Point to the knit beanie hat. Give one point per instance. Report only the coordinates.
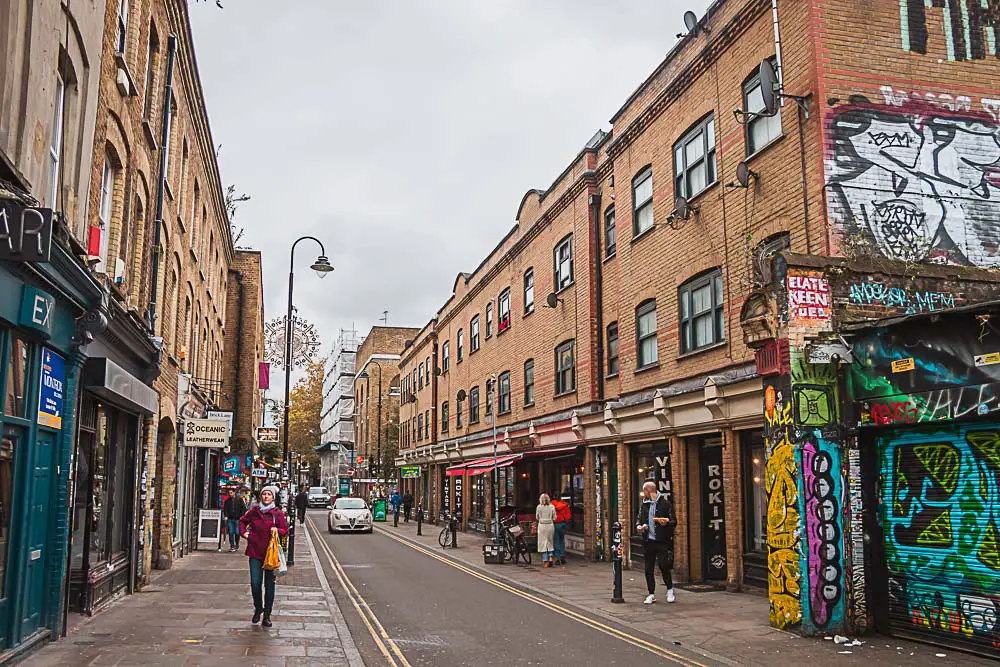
(274, 491)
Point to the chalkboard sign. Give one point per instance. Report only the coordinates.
(209, 525)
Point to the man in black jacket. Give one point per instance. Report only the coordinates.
(302, 503)
(656, 522)
(233, 509)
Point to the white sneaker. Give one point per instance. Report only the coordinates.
(650, 599)
(670, 595)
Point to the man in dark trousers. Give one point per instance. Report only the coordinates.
(407, 506)
(302, 503)
(233, 509)
(656, 522)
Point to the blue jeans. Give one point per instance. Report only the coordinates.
(260, 577)
(233, 530)
(560, 541)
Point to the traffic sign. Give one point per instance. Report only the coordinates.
(351, 471)
(360, 460)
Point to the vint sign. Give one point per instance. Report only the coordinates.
(206, 433)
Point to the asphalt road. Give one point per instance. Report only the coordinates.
(406, 606)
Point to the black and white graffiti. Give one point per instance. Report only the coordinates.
(917, 181)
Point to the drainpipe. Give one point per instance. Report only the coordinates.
(595, 207)
(164, 152)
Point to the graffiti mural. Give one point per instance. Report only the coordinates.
(916, 182)
(814, 388)
(857, 542)
(967, 28)
(899, 299)
(940, 497)
(781, 488)
(931, 406)
(822, 552)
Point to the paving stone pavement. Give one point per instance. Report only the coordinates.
(198, 613)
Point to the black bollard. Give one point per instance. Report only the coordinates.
(616, 560)
(420, 519)
(454, 533)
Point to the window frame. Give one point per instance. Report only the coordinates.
(444, 357)
(565, 243)
(561, 385)
(529, 290)
(489, 320)
(474, 405)
(503, 397)
(644, 309)
(638, 208)
(612, 358)
(503, 311)
(752, 118)
(105, 210)
(444, 416)
(489, 398)
(459, 345)
(427, 371)
(420, 375)
(121, 29)
(610, 233)
(709, 158)
(458, 411)
(529, 383)
(712, 278)
(152, 60)
(474, 334)
(56, 142)
(420, 427)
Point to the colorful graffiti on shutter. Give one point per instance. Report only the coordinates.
(941, 522)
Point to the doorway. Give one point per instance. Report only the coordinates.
(713, 512)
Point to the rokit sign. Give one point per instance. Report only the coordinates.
(206, 433)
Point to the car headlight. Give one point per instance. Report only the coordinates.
(336, 515)
(366, 516)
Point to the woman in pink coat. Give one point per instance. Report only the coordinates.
(257, 525)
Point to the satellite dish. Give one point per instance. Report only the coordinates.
(691, 22)
(743, 174)
(768, 85)
(551, 300)
(461, 395)
(681, 208)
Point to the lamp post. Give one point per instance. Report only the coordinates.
(496, 475)
(322, 267)
(363, 375)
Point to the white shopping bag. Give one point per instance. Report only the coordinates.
(283, 568)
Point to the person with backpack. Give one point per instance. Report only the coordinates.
(563, 515)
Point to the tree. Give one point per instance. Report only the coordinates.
(305, 408)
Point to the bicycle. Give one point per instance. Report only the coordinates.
(516, 546)
(445, 538)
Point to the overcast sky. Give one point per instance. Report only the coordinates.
(403, 134)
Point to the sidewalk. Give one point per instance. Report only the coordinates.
(727, 628)
(198, 613)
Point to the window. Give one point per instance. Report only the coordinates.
(645, 333)
(121, 35)
(529, 291)
(458, 410)
(420, 428)
(427, 371)
(489, 320)
(760, 130)
(564, 263)
(104, 213)
(755, 498)
(503, 393)
(427, 424)
(701, 311)
(565, 368)
(612, 349)
(694, 159)
(55, 143)
(151, 63)
(489, 397)
(444, 357)
(642, 202)
(610, 233)
(459, 343)
(529, 382)
(503, 311)
(182, 182)
(444, 417)
(474, 334)
(420, 375)
(474, 406)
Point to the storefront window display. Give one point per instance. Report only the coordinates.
(571, 489)
(756, 500)
(651, 461)
(505, 484)
(478, 497)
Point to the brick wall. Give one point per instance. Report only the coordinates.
(243, 352)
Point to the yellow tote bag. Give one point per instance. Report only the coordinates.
(272, 561)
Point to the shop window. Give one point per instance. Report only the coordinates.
(565, 368)
(505, 484)
(642, 202)
(444, 357)
(16, 382)
(503, 393)
(10, 441)
(459, 343)
(756, 499)
(503, 311)
(645, 328)
(474, 334)
(571, 489)
(478, 497)
(564, 263)
(651, 463)
(474, 406)
(610, 232)
(529, 291)
(701, 311)
(612, 349)
(490, 389)
(489, 320)
(760, 129)
(694, 159)
(444, 417)
(529, 382)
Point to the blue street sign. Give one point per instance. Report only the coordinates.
(50, 390)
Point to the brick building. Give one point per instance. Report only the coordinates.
(652, 313)
(376, 400)
(244, 351)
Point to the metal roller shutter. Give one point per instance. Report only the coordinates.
(940, 514)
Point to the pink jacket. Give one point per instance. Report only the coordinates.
(259, 524)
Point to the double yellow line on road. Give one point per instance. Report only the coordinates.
(659, 651)
(390, 650)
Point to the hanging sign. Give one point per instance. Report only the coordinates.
(25, 232)
(224, 415)
(36, 310)
(50, 390)
(205, 433)
(267, 434)
(409, 472)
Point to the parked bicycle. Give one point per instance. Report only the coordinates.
(516, 546)
(447, 537)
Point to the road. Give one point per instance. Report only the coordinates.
(411, 606)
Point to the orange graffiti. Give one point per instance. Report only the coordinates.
(770, 400)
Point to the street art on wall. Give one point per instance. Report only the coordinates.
(859, 610)
(781, 488)
(931, 406)
(964, 29)
(814, 387)
(940, 498)
(899, 300)
(808, 297)
(916, 182)
(822, 553)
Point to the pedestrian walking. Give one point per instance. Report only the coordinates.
(407, 505)
(233, 509)
(545, 514)
(257, 526)
(563, 515)
(656, 522)
(395, 500)
(302, 503)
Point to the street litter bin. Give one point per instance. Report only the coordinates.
(493, 553)
(378, 510)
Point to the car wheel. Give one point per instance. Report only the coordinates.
(369, 531)
(329, 528)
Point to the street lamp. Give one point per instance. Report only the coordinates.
(322, 267)
(363, 375)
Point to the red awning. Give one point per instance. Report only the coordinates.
(486, 465)
(550, 452)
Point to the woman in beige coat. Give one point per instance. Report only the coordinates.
(545, 513)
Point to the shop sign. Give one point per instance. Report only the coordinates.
(267, 434)
(36, 310)
(205, 433)
(258, 472)
(224, 415)
(231, 465)
(25, 232)
(50, 390)
(409, 472)
(344, 486)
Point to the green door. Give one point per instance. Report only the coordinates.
(38, 531)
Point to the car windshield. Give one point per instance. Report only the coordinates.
(317, 491)
(349, 504)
